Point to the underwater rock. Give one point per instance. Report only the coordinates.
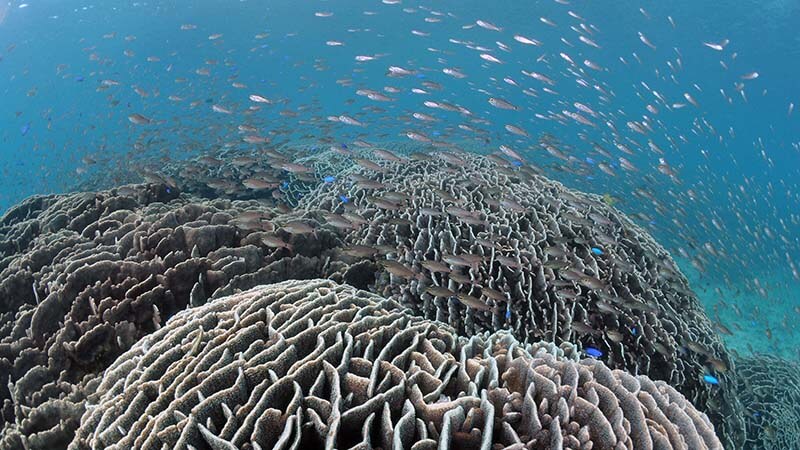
(312, 364)
(483, 245)
(84, 276)
(769, 388)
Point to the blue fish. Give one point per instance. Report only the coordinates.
(329, 179)
(516, 163)
(593, 352)
(508, 313)
(25, 128)
(344, 198)
(711, 379)
(285, 184)
(590, 160)
(633, 330)
(597, 251)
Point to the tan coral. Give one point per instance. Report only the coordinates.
(459, 238)
(84, 276)
(481, 245)
(313, 364)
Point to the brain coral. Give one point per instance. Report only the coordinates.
(481, 245)
(769, 388)
(84, 276)
(312, 364)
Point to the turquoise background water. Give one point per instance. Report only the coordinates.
(737, 162)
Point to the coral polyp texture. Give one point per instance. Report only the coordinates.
(313, 364)
(466, 240)
(268, 173)
(482, 245)
(84, 276)
(769, 387)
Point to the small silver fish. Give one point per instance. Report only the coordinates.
(502, 104)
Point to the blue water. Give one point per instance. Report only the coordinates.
(732, 221)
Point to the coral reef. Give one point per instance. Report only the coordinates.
(84, 276)
(467, 240)
(230, 173)
(268, 173)
(307, 364)
(769, 388)
(482, 245)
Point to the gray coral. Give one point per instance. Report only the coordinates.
(769, 388)
(462, 239)
(230, 173)
(312, 364)
(481, 245)
(84, 276)
(243, 175)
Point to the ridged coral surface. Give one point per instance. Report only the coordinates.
(84, 276)
(769, 387)
(466, 240)
(313, 364)
(481, 245)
